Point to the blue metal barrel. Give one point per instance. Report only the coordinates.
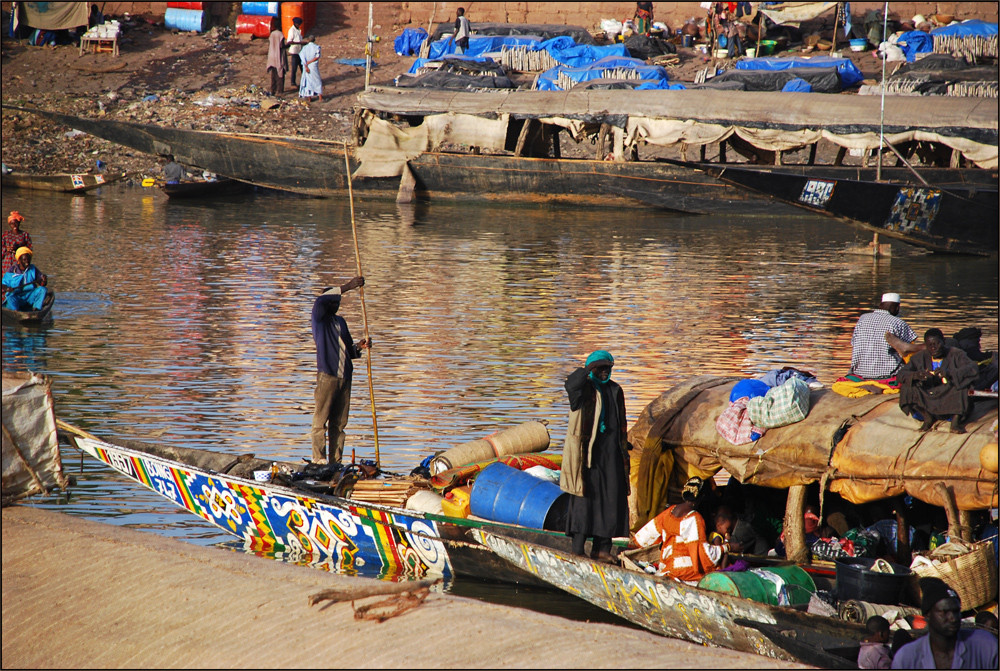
(262, 8)
(185, 19)
(504, 494)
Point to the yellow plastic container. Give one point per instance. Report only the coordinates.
(456, 502)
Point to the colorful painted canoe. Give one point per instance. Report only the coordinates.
(681, 611)
(65, 182)
(349, 535)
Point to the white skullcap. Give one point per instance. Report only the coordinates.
(918, 19)
(890, 298)
(335, 291)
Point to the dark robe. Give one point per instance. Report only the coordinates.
(930, 398)
(603, 509)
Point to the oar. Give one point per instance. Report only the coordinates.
(364, 312)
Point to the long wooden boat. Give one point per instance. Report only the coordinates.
(31, 317)
(958, 218)
(297, 517)
(65, 182)
(204, 188)
(689, 613)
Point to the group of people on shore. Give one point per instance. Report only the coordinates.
(290, 53)
(24, 286)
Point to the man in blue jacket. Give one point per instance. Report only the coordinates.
(334, 351)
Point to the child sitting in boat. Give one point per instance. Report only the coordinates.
(685, 552)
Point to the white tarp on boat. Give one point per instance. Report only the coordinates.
(31, 461)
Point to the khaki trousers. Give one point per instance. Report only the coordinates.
(333, 403)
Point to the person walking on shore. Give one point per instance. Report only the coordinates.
(277, 63)
(334, 351)
(311, 85)
(13, 239)
(595, 461)
(294, 43)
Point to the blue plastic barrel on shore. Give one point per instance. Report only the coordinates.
(188, 20)
(262, 8)
(504, 494)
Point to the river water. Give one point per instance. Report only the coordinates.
(188, 323)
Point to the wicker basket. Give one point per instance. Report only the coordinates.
(973, 575)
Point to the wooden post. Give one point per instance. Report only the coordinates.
(836, 24)
(812, 153)
(722, 151)
(684, 151)
(965, 525)
(522, 138)
(556, 151)
(904, 555)
(703, 152)
(841, 153)
(951, 509)
(794, 528)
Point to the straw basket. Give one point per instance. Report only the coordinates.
(973, 575)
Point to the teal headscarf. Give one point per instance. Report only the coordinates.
(600, 355)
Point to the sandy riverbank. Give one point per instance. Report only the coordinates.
(81, 594)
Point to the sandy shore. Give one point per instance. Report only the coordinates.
(81, 594)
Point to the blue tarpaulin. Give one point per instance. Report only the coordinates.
(970, 28)
(849, 73)
(409, 41)
(915, 42)
(797, 85)
(563, 49)
(655, 76)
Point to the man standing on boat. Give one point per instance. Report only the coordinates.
(595, 461)
(871, 356)
(334, 350)
(13, 239)
(946, 645)
(24, 284)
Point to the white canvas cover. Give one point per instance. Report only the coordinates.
(31, 461)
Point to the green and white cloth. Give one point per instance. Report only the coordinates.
(782, 405)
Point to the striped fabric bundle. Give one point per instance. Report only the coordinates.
(782, 405)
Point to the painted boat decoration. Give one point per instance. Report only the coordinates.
(958, 218)
(65, 182)
(273, 518)
(678, 610)
(31, 317)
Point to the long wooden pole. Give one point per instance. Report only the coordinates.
(368, 50)
(364, 312)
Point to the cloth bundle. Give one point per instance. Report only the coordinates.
(735, 425)
(782, 405)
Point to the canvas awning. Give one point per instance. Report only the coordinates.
(864, 449)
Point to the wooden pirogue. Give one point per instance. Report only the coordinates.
(65, 182)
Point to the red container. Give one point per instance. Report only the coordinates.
(305, 10)
(258, 26)
(186, 5)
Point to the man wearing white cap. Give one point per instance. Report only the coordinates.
(872, 358)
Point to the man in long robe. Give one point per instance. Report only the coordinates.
(936, 383)
(311, 85)
(595, 460)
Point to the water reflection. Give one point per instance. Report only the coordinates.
(188, 323)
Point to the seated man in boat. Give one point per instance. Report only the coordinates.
(685, 552)
(24, 284)
(740, 534)
(936, 383)
(173, 171)
(872, 357)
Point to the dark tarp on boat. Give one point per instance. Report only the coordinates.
(579, 34)
(864, 449)
(822, 80)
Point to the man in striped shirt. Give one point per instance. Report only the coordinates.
(334, 351)
(872, 358)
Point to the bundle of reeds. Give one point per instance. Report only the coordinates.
(390, 492)
(969, 47)
(621, 73)
(523, 59)
(973, 89)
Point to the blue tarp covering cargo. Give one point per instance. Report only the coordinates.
(655, 75)
(478, 45)
(915, 42)
(970, 28)
(849, 73)
(409, 41)
(563, 49)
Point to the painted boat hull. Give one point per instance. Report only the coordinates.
(67, 183)
(31, 317)
(959, 218)
(681, 611)
(342, 534)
